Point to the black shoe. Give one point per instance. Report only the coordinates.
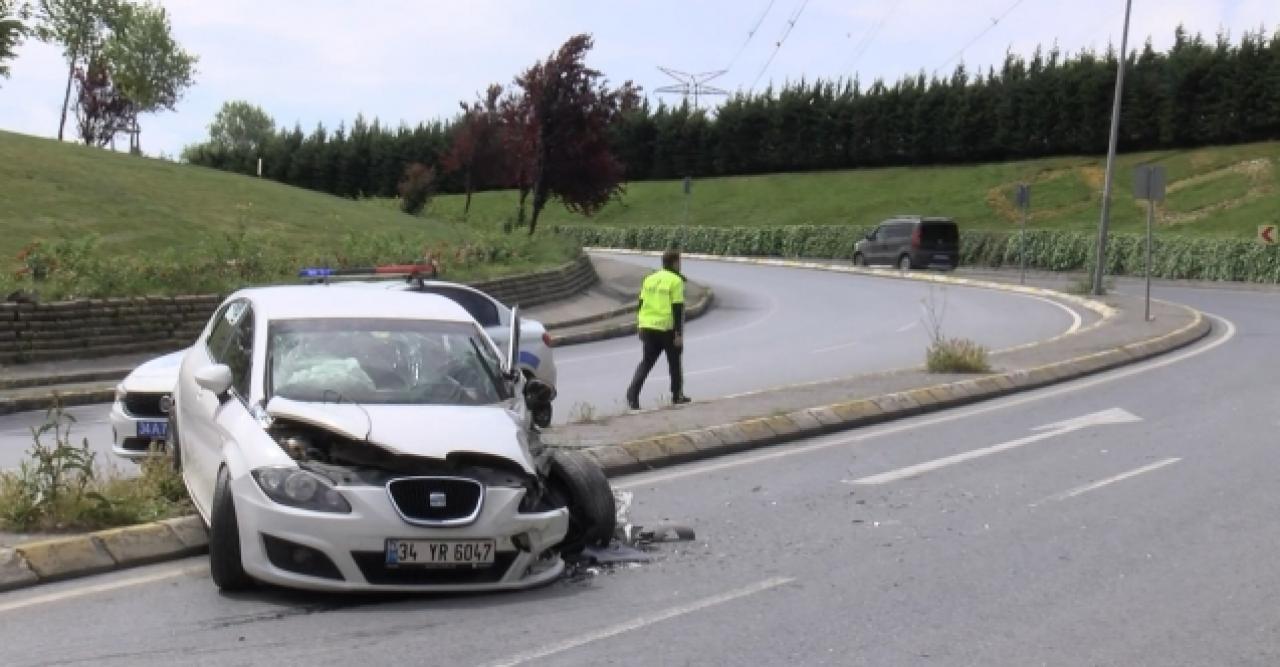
(681, 399)
(634, 405)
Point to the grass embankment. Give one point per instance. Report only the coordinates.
(1221, 191)
(112, 224)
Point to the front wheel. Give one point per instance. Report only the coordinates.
(859, 260)
(904, 262)
(579, 484)
(226, 564)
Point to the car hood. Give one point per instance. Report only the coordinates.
(432, 431)
(155, 376)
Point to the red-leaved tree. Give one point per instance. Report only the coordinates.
(101, 110)
(564, 116)
(477, 151)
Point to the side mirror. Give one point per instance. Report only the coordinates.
(512, 365)
(216, 378)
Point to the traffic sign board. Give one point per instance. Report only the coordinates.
(1148, 183)
(1268, 234)
(1023, 196)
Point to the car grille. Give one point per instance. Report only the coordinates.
(373, 565)
(437, 501)
(144, 405)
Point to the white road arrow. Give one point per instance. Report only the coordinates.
(1103, 418)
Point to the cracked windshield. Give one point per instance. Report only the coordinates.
(727, 332)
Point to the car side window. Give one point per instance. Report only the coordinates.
(221, 333)
(238, 355)
(477, 305)
(900, 231)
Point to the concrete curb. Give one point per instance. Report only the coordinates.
(695, 311)
(69, 399)
(650, 453)
(102, 551)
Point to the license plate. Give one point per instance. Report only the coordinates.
(941, 258)
(440, 552)
(153, 429)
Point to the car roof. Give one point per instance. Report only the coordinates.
(340, 301)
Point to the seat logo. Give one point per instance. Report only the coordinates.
(438, 500)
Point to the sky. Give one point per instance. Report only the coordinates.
(313, 61)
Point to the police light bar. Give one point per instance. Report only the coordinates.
(382, 270)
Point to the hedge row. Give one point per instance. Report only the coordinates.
(1180, 257)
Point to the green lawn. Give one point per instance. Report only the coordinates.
(1221, 191)
(146, 210)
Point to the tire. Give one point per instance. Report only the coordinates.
(171, 442)
(226, 565)
(904, 262)
(578, 483)
(859, 260)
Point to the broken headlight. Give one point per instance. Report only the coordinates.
(301, 489)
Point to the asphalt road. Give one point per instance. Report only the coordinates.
(770, 327)
(1125, 519)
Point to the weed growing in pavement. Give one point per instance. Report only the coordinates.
(59, 486)
(950, 355)
(584, 413)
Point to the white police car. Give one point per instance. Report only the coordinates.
(140, 413)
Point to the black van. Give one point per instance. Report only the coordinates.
(911, 242)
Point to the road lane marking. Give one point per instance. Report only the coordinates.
(1112, 480)
(690, 470)
(641, 622)
(833, 348)
(74, 593)
(1105, 417)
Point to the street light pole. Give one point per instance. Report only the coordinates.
(1100, 260)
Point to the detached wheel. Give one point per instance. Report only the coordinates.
(578, 483)
(904, 262)
(225, 563)
(859, 260)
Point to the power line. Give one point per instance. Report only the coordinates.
(867, 38)
(791, 24)
(994, 22)
(751, 33)
(692, 84)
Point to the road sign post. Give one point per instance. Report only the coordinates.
(1024, 202)
(1148, 184)
(684, 227)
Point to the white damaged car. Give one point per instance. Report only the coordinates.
(344, 439)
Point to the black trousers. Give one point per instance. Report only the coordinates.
(656, 343)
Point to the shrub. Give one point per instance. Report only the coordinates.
(956, 355)
(416, 187)
(1179, 257)
(59, 487)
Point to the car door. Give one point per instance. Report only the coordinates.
(880, 247)
(230, 343)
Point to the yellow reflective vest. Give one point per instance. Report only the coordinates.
(659, 292)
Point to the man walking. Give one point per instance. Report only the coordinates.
(661, 324)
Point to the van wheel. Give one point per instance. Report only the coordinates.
(578, 483)
(904, 262)
(859, 260)
(226, 565)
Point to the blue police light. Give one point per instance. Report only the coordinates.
(315, 272)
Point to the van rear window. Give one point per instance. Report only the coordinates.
(947, 232)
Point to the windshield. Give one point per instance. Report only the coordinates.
(400, 362)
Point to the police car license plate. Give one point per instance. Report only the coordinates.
(440, 553)
(153, 429)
